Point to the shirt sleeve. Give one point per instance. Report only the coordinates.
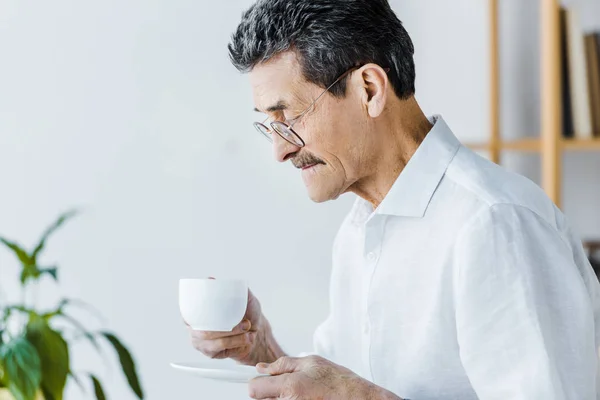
(525, 322)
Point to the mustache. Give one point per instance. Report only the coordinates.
(305, 159)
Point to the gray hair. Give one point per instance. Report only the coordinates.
(329, 37)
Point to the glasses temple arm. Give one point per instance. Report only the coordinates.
(322, 94)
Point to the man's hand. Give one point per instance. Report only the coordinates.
(250, 342)
(312, 378)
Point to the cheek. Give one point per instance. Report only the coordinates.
(345, 143)
(330, 146)
(335, 137)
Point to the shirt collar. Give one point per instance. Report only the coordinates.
(413, 189)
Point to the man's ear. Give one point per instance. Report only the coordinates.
(375, 86)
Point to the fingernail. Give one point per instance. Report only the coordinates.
(263, 365)
(246, 325)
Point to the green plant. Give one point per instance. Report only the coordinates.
(34, 356)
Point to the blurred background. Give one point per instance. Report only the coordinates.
(131, 112)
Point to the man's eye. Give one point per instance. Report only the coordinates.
(291, 119)
(280, 116)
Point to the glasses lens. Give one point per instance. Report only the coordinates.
(266, 132)
(287, 133)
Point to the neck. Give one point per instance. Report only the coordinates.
(398, 136)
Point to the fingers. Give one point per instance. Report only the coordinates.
(282, 366)
(226, 346)
(263, 368)
(231, 342)
(234, 344)
(236, 353)
(240, 328)
(267, 387)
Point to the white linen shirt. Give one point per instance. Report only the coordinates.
(465, 283)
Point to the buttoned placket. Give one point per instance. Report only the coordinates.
(373, 239)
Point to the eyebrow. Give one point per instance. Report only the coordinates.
(279, 106)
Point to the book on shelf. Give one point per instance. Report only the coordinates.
(592, 47)
(567, 115)
(580, 63)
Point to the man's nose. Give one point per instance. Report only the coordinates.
(283, 149)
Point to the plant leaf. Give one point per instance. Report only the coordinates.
(127, 364)
(18, 250)
(22, 368)
(50, 271)
(29, 271)
(54, 356)
(74, 302)
(2, 384)
(16, 307)
(8, 310)
(61, 220)
(47, 395)
(98, 388)
(81, 329)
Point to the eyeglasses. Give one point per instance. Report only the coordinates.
(285, 129)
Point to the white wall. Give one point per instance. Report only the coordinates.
(119, 107)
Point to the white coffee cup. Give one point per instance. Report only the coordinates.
(212, 304)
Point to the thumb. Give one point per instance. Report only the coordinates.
(283, 365)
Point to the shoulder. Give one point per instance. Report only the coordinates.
(495, 192)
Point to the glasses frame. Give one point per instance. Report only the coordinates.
(286, 128)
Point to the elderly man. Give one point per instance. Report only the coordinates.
(452, 278)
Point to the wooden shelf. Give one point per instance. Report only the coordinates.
(582, 144)
(526, 144)
(550, 144)
(535, 145)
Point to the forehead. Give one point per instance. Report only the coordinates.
(276, 81)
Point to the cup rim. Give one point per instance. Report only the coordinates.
(227, 280)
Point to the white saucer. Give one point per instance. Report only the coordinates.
(219, 370)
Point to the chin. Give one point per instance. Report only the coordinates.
(319, 199)
(324, 187)
(321, 196)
